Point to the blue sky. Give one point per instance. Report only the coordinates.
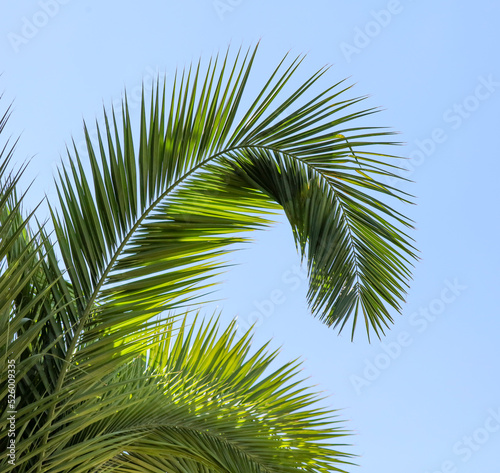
(427, 397)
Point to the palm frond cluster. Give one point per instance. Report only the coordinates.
(112, 372)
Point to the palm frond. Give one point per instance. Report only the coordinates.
(198, 398)
(137, 237)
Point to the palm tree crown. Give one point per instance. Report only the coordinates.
(110, 375)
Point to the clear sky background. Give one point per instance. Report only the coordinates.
(427, 397)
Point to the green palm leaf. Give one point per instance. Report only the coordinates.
(137, 238)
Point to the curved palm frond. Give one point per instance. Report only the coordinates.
(141, 235)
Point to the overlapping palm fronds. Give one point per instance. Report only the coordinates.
(109, 377)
